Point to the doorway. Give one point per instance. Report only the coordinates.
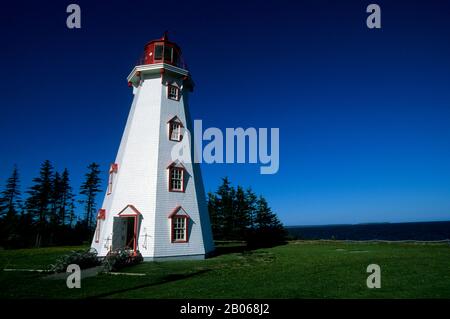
(129, 243)
(124, 233)
(126, 229)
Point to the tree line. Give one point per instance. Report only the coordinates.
(238, 214)
(47, 215)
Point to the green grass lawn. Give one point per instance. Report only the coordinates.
(296, 270)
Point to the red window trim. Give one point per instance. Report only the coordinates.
(112, 170)
(186, 231)
(101, 214)
(177, 89)
(135, 211)
(183, 170)
(136, 215)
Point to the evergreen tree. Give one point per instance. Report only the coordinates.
(215, 216)
(55, 200)
(264, 217)
(10, 198)
(251, 200)
(71, 212)
(60, 203)
(89, 190)
(225, 195)
(10, 205)
(66, 204)
(241, 215)
(39, 201)
(268, 228)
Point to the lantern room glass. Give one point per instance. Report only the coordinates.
(166, 53)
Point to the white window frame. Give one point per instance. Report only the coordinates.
(175, 131)
(176, 178)
(179, 229)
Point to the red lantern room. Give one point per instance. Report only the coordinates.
(163, 51)
(160, 56)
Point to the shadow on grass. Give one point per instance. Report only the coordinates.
(233, 248)
(225, 248)
(164, 280)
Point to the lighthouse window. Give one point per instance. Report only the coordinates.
(110, 183)
(100, 216)
(173, 92)
(97, 232)
(112, 171)
(175, 131)
(175, 57)
(168, 54)
(179, 229)
(158, 52)
(163, 51)
(176, 179)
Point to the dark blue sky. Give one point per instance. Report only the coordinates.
(364, 115)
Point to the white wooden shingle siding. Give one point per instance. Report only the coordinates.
(142, 176)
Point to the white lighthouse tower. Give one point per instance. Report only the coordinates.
(154, 204)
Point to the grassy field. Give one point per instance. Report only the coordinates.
(296, 270)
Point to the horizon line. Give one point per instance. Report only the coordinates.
(368, 223)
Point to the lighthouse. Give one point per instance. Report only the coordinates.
(155, 204)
